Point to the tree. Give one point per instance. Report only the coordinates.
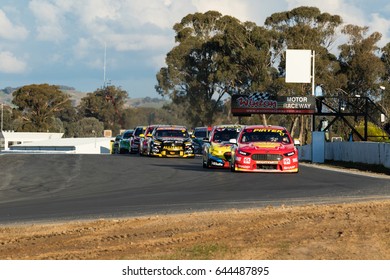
(86, 127)
(360, 62)
(6, 117)
(190, 76)
(38, 107)
(216, 56)
(106, 105)
(304, 28)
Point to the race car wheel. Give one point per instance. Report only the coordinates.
(233, 167)
(206, 164)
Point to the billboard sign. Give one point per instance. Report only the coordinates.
(298, 66)
(263, 103)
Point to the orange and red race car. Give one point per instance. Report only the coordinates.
(260, 148)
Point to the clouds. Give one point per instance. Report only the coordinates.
(374, 14)
(9, 34)
(9, 30)
(48, 17)
(70, 35)
(10, 64)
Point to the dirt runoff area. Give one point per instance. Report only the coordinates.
(334, 232)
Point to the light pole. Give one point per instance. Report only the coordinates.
(383, 116)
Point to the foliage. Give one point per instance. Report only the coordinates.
(374, 133)
(86, 127)
(359, 62)
(38, 106)
(7, 117)
(106, 105)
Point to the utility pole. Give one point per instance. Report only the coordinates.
(104, 65)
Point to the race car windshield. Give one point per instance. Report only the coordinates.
(200, 133)
(127, 134)
(139, 131)
(175, 133)
(261, 136)
(225, 135)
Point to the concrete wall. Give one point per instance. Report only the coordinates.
(26, 137)
(91, 145)
(362, 152)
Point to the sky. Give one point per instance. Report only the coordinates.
(88, 43)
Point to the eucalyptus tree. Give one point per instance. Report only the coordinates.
(216, 56)
(38, 108)
(189, 78)
(305, 28)
(106, 105)
(360, 61)
(363, 68)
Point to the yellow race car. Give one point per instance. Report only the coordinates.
(171, 141)
(217, 148)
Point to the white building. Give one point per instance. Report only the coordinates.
(10, 138)
(37, 142)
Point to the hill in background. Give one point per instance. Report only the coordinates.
(75, 95)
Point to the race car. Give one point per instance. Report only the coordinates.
(216, 150)
(144, 146)
(135, 139)
(261, 148)
(199, 134)
(171, 141)
(124, 142)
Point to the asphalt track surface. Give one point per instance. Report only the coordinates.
(42, 187)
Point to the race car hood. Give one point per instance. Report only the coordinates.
(173, 139)
(269, 146)
(221, 146)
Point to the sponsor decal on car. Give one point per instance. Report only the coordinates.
(289, 167)
(243, 166)
(269, 130)
(173, 148)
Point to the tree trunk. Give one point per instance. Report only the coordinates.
(294, 126)
(265, 119)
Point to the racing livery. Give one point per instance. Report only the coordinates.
(260, 148)
(144, 147)
(199, 134)
(136, 139)
(124, 142)
(217, 149)
(171, 141)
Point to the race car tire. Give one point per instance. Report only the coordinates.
(206, 164)
(233, 167)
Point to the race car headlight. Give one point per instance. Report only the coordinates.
(243, 153)
(156, 143)
(289, 154)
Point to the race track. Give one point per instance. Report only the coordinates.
(40, 187)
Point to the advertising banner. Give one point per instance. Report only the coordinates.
(263, 103)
